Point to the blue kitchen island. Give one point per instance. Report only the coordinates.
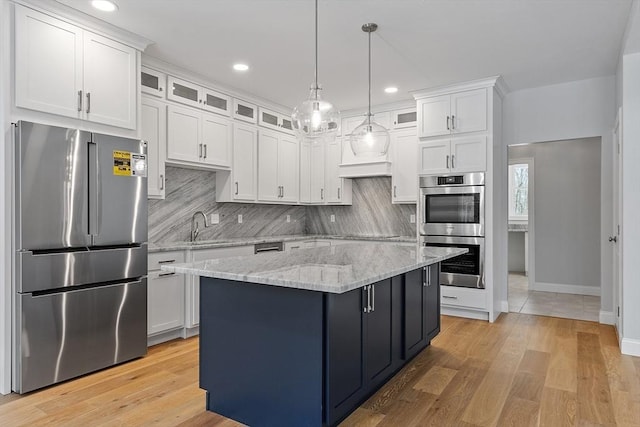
(302, 338)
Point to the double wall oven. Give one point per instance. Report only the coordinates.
(451, 212)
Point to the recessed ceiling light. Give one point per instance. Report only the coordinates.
(104, 5)
(391, 89)
(240, 67)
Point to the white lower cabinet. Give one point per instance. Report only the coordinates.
(192, 309)
(165, 295)
(463, 297)
(404, 168)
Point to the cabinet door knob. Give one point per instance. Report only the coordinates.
(160, 89)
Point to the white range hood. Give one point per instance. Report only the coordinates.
(360, 167)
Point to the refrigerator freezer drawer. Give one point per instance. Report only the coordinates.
(40, 272)
(71, 333)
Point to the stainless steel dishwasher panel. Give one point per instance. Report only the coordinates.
(268, 247)
(66, 334)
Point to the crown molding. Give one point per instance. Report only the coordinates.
(86, 22)
(496, 81)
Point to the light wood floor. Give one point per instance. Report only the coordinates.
(522, 370)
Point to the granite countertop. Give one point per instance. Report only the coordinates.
(334, 269)
(242, 241)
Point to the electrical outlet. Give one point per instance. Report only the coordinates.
(215, 218)
(239, 218)
(412, 218)
(332, 218)
(288, 218)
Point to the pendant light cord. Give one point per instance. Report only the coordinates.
(316, 68)
(369, 112)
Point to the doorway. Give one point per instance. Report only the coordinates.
(554, 228)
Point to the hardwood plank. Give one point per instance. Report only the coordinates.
(558, 408)
(363, 417)
(527, 386)
(519, 413)
(562, 370)
(435, 380)
(594, 398)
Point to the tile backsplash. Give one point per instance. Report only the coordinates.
(371, 214)
(189, 190)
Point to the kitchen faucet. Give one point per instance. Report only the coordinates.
(195, 231)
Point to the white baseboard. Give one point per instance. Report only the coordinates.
(607, 317)
(630, 347)
(461, 312)
(566, 289)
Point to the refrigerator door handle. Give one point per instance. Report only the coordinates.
(94, 189)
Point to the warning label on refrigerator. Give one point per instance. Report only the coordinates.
(122, 163)
(129, 164)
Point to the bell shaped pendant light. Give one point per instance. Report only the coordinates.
(370, 139)
(315, 118)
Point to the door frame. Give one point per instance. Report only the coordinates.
(616, 205)
(530, 241)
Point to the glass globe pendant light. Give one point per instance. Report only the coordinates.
(370, 139)
(315, 118)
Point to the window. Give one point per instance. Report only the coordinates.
(519, 191)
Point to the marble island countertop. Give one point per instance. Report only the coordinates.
(241, 241)
(334, 269)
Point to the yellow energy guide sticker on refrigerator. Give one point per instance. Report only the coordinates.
(121, 163)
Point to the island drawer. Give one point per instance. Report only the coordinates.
(157, 259)
(463, 297)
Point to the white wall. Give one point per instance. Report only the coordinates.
(5, 227)
(578, 109)
(516, 251)
(567, 214)
(630, 240)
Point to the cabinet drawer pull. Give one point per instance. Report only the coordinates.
(236, 188)
(79, 100)
(322, 194)
(453, 122)
(373, 297)
(338, 193)
(448, 297)
(166, 261)
(161, 182)
(166, 274)
(395, 191)
(199, 150)
(88, 102)
(453, 163)
(447, 161)
(205, 151)
(448, 128)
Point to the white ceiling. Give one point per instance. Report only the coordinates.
(419, 43)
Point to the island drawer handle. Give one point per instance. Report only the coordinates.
(166, 274)
(448, 297)
(373, 298)
(166, 261)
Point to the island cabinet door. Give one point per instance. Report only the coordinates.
(415, 334)
(345, 382)
(378, 351)
(432, 301)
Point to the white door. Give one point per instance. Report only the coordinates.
(244, 162)
(154, 131)
(469, 154)
(316, 161)
(469, 111)
(616, 236)
(268, 185)
(433, 157)
(305, 172)
(288, 172)
(183, 134)
(404, 166)
(333, 182)
(217, 133)
(48, 67)
(434, 116)
(110, 81)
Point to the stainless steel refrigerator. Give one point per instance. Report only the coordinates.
(80, 300)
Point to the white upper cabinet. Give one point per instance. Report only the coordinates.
(276, 121)
(195, 95)
(338, 189)
(197, 137)
(65, 70)
(467, 154)
(278, 176)
(349, 124)
(154, 131)
(217, 134)
(245, 111)
(406, 118)
(461, 112)
(316, 176)
(153, 82)
(305, 172)
(243, 169)
(404, 169)
(109, 81)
